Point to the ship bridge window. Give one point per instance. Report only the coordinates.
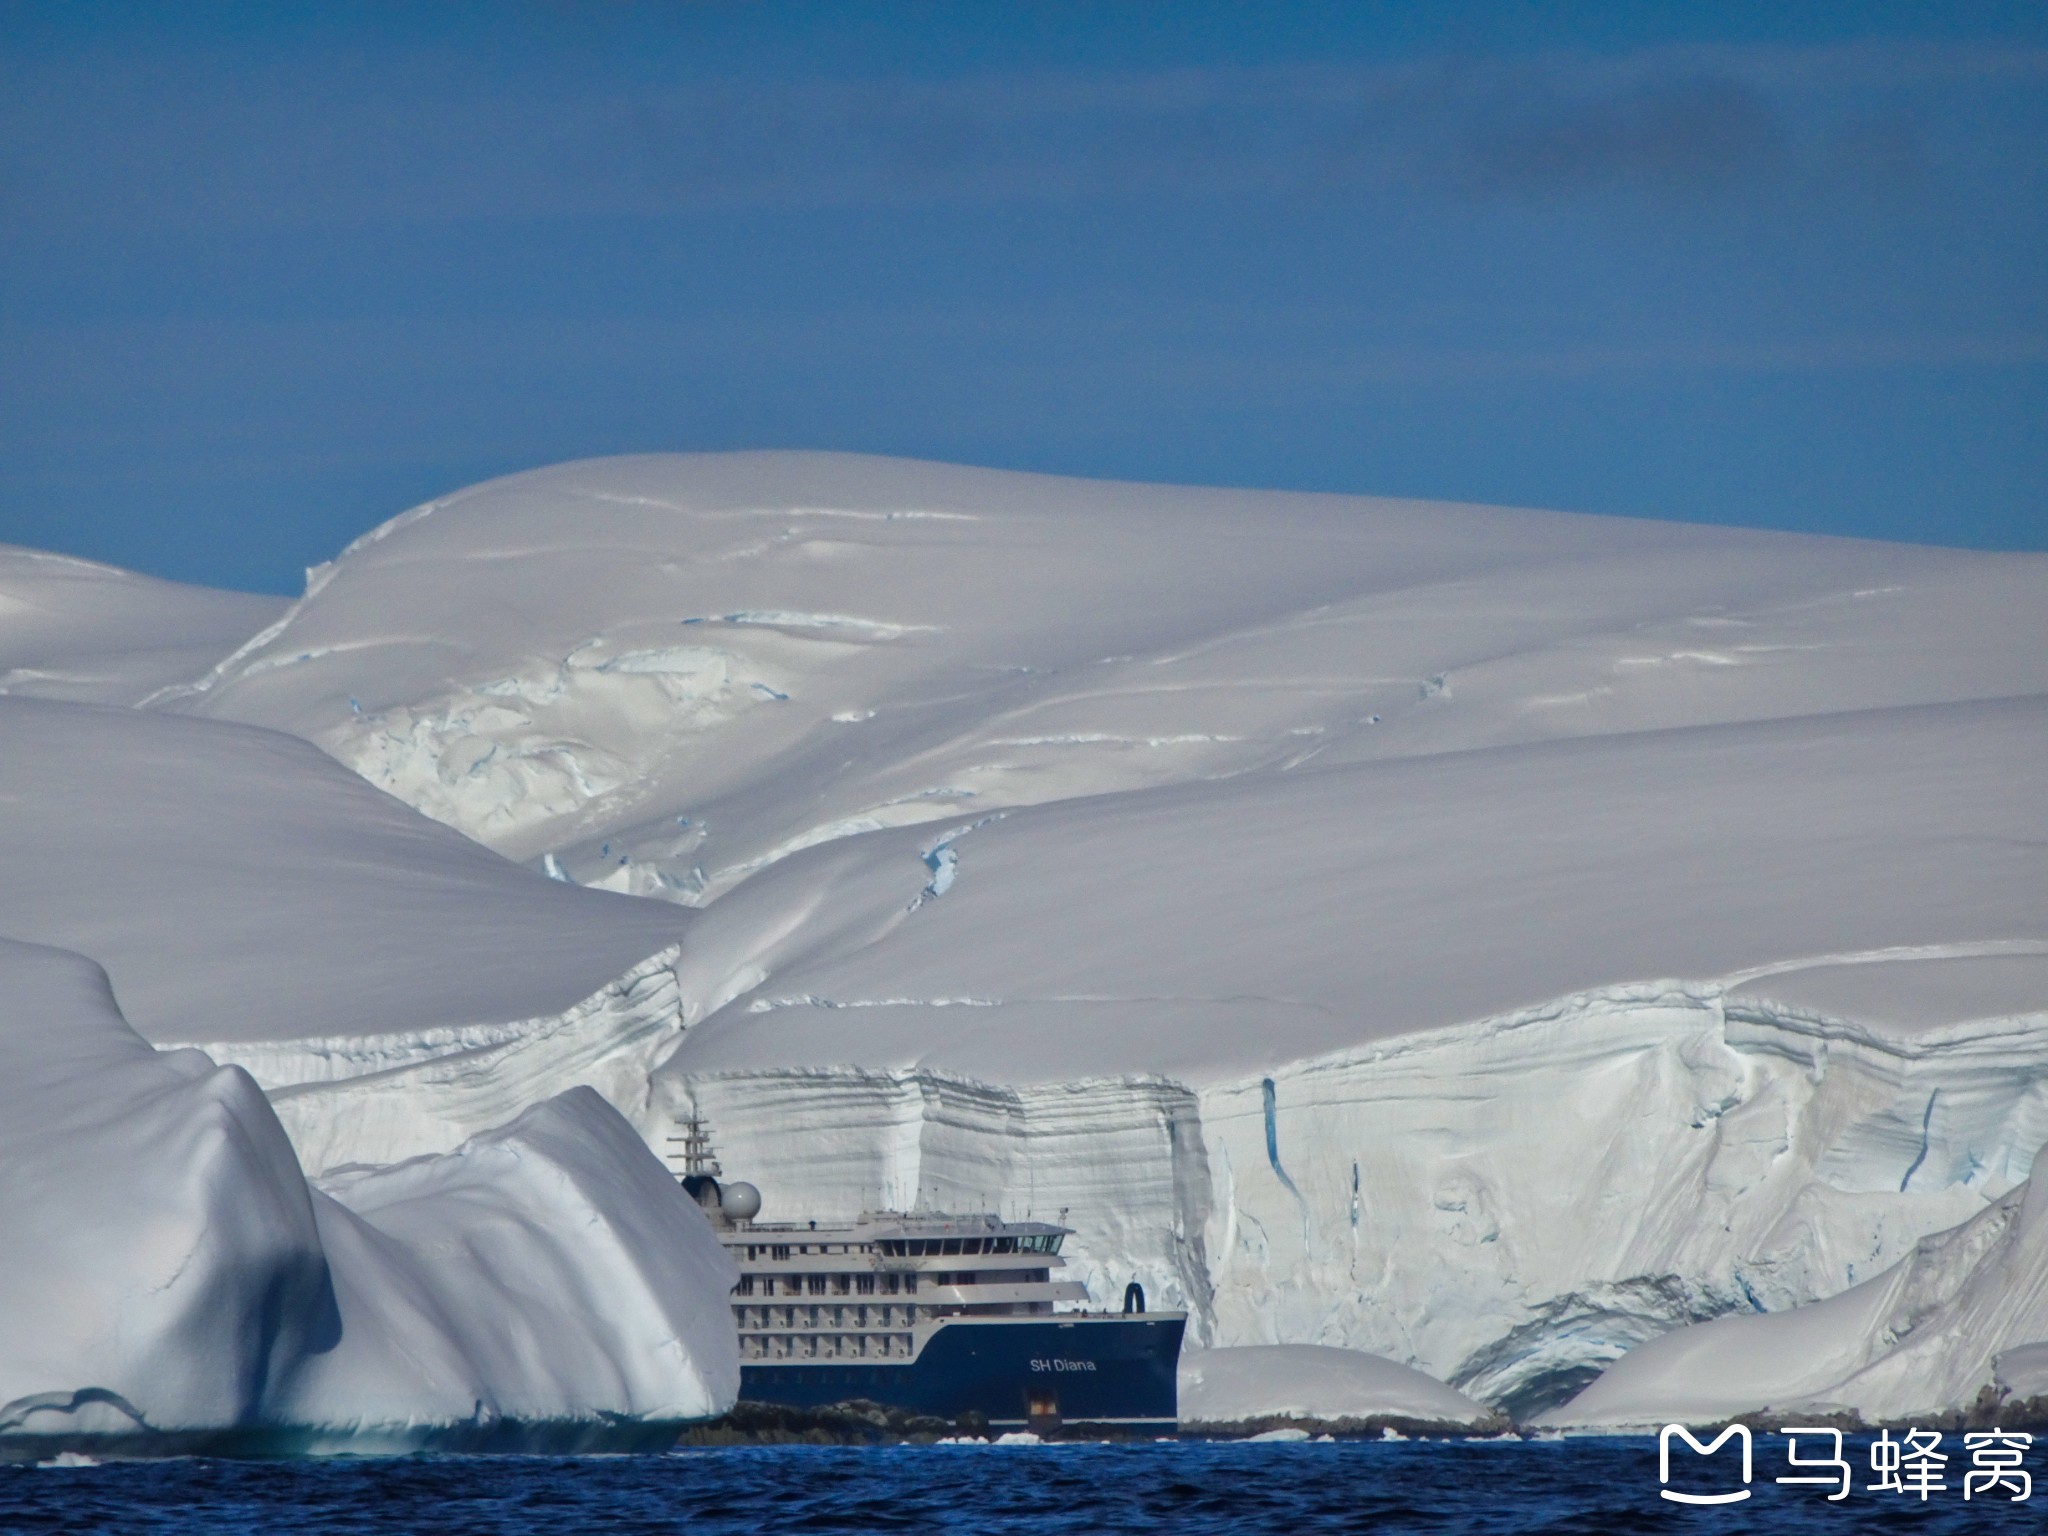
(779, 1251)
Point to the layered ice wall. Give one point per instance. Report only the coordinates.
(169, 1279)
(1264, 1042)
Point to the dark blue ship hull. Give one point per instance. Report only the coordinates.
(1114, 1370)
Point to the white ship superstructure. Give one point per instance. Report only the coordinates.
(877, 1288)
(939, 1313)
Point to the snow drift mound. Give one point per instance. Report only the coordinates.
(666, 671)
(1958, 1322)
(172, 1280)
(250, 896)
(1304, 1381)
(72, 629)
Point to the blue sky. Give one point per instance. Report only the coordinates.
(269, 275)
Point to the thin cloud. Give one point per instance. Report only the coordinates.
(303, 141)
(1684, 134)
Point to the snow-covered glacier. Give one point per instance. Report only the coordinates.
(667, 671)
(76, 629)
(1278, 1061)
(1481, 938)
(252, 898)
(169, 1279)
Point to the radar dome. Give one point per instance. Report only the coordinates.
(742, 1202)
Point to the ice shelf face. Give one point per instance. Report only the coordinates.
(169, 1276)
(1480, 938)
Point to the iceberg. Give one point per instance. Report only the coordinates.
(173, 1282)
(1306, 1381)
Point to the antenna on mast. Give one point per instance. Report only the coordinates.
(693, 1149)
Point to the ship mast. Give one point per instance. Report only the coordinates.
(693, 1147)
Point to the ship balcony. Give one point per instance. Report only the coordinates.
(805, 1319)
(996, 1295)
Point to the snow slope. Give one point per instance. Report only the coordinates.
(250, 896)
(666, 671)
(1305, 1381)
(73, 629)
(1966, 1312)
(170, 1278)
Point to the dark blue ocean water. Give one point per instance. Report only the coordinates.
(1182, 1488)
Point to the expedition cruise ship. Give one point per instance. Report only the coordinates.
(944, 1315)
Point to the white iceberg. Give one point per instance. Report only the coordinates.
(170, 1280)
